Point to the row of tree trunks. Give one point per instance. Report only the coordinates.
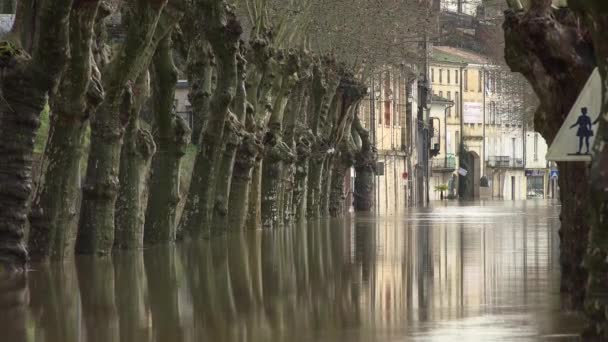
(223, 31)
(54, 214)
(147, 24)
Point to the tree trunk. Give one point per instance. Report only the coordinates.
(145, 28)
(326, 184)
(276, 151)
(248, 152)
(24, 85)
(254, 210)
(552, 51)
(234, 131)
(171, 136)
(300, 191)
(365, 169)
(242, 180)
(202, 78)
(595, 16)
(137, 150)
(336, 197)
(223, 32)
(55, 207)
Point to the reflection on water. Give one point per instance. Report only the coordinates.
(477, 273)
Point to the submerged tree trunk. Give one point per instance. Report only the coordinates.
(233, 132)
(595, 17)
(201, 76)
(365, 169)
(171, 136)
(137, 150)
(54, 213)
(146, 27)
(223, 32)
(549, 47)
(24, 85)
(276, 151)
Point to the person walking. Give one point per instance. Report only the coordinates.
(585, 130)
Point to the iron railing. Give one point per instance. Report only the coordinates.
(443, 164)
(505, 162)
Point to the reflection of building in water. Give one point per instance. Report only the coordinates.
(427, 270)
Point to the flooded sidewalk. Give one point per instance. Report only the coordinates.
(473, 272)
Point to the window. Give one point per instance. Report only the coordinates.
(433, 75)
(480, 83)
(441, 94)
(456, 76)
(465, 80)
(440, 76)
(513, 146)
(457, 103)
(449, 98)
(535, 147)
(448, 74)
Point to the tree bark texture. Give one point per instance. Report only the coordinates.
(276, 151)
(325, 82)
(202, 79)
(595, 16)
(234, 131)
(137, 150)
(223, 32)
(365, 169)
(55, 208)
(171, 134)
(24, 84)
(551, 49)
(145, 28)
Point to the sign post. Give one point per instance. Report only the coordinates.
(574, 139)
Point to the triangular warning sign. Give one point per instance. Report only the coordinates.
(575, 138)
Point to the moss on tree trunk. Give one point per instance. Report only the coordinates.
(171, 136)
(145, 28)
(223, 32)
(137, 150)
(24, 85)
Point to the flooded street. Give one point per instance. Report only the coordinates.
(479, 272)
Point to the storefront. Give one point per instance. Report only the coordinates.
(535, 180)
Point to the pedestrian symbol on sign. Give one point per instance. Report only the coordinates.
(571, 144)
(585, 129)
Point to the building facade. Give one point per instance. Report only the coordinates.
(487, 117)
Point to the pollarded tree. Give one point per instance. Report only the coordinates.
(147, 24)
(32, 59)
(595, 17)
(555, 54)
(222, 30)
(55, 207)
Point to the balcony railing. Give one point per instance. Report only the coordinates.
(505, 162)
(448, 164)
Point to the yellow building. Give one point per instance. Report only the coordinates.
(487, 116)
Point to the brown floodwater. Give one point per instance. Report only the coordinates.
(479, 272)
